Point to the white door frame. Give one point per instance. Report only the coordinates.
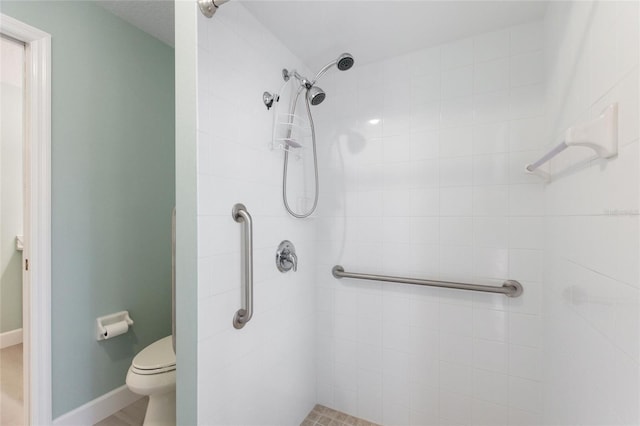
(37, 227)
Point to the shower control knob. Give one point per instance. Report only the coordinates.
(286, 258)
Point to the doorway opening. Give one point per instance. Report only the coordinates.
(12, 215)
(25, 210)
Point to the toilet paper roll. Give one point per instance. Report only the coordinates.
(115, 329)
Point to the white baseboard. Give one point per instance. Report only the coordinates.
(10, 338)
(99, 409)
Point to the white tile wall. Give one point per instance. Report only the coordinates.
(264, 373)
(421, 174)
(591, 340)
(443, 197)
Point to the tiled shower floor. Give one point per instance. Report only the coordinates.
(324, 416)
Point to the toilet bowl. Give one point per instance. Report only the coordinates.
(153, 373)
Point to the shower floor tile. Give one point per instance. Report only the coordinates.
(324, 416)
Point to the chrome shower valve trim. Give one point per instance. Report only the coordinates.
(286, 258)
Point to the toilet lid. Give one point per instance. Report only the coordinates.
(158, 355)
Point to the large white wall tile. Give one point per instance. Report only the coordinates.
(583, 236)
(490, 355)
(436, 190)
(490, 231)
(490, 138)
(457, 171)
(490, 386)
(456, 141)
(527, 69)
(457, 82)
(456, 201)
(526, 101)
(488, 413)
(491, 76)
(491, 46)
(526, 38)
(457, 54)
(492, 107)
(234, 165)
(424, 62)
(527, 134)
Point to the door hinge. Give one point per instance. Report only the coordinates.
(26, 264)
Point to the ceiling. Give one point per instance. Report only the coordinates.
(373, 30)
(154, 17)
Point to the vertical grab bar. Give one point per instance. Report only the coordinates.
(173, 279)
(244, 314)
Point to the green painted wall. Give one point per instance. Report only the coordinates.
(11, 197)
(113, 189)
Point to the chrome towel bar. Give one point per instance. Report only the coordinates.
(600, 134)
(548, 156)
(509, 288)
(244, 314)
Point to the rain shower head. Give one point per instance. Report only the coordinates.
(316, 95)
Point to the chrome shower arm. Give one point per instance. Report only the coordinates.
(322, 71)
(209, 7)
(286, 74)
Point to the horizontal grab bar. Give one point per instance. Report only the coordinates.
(510, 288)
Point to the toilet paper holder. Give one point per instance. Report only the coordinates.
(113, 325)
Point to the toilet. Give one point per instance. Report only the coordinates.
(153, 373)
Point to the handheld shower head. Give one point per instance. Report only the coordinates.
(344, 61)
(315, 95)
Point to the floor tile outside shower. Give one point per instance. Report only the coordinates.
(11, 386)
